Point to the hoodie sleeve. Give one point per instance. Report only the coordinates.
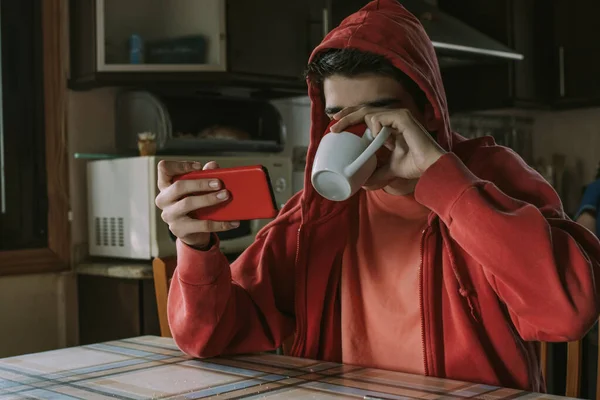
(542, 265)
(215, 308)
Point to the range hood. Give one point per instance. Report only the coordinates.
(454, 41)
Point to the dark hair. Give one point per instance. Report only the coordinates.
(353, 62)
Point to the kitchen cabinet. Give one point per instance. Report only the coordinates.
(558, 39)
(340, 9)
(266, 38)
(576, 47)
(524, 25)
(255, 43)
(481, 84)
(116, 308)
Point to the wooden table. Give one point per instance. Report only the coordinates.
(150, 367)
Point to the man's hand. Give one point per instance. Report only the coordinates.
(177, 200)
(413, 148)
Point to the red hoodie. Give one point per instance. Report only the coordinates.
(502, 266)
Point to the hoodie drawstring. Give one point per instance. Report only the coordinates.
(464, 290)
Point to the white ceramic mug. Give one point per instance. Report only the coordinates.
(344, 162)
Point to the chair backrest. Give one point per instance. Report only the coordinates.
(574, 368)
(163, 270)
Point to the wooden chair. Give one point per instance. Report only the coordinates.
(163, 272)
(574, 367)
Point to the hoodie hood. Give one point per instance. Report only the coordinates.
(383, 27)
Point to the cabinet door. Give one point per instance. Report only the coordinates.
(341, 9)
(520, 24)
(158, 36)
(268, 37)
(531, 35)
(320, 22)
(577, 48)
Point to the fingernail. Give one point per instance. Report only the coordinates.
(222, 195)
(197, 165)
(234, 224)
(214, 184)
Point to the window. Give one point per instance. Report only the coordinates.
(23, 198)
(33, 171)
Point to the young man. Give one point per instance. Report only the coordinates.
(454, 262)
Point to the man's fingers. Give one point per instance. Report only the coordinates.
(185, 187)
(346, 111)
(193, 203)
(348, 120)
(211, 165)
(361, 115)
(169, 169)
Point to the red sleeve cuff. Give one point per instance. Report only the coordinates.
(443, 184)
(197, 267)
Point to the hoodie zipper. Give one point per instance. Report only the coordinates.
(422, 309)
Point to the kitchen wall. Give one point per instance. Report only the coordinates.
(91, 130)
(576, 134)
(38, 313)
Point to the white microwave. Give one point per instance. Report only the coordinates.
(124, 222)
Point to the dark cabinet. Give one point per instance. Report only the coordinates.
(558, 40)
(266, 38)
(254, 44)
(576, 49)
(340, 9)
(115, 308)
(524, 25)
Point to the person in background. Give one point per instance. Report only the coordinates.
(456, 259)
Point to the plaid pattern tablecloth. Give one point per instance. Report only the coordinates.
(153, 368)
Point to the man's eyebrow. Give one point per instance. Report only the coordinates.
(384, 102)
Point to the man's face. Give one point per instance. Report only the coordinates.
(378, 92)
(342, 93)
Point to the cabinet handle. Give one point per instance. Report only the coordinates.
(561, 71)
(325, 21)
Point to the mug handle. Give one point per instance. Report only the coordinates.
(369, 152)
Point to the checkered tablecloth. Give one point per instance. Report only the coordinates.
(153, 368)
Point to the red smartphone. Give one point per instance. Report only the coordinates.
(251, 194)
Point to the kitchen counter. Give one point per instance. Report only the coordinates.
(116, 269)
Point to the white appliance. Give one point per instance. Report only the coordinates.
(124, 221)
